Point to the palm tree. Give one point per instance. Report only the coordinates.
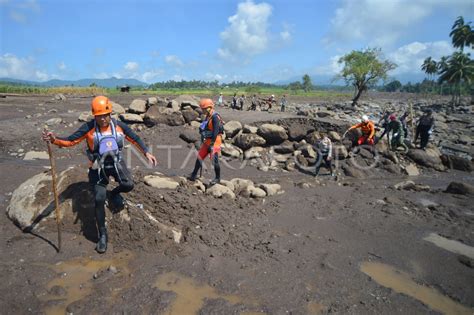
(462, 35)
(459, 70)
(442, 64)
(430, 67)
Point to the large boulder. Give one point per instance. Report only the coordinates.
(151, 101)
(271, 189)
(85, 116)
(339, 152)
(255, 192)
(460, 188)
(232, 127)
(187, 100)
(220, 191)
(353, 171)
(159, 115)
(189, 115)
(33, 202)
(313, 137)
(253, 153)
(412, 170)
(241, 184)
(160, 182)
(272, 133)
(247, 140)
(230, 150)
(296, 132)
(334, 136)
(190, 135)
(457, 163)
(117, 109)
(249, 129)
(284, 148)
(137, 106)
(308, 151)
(429, 158)
(131, 118)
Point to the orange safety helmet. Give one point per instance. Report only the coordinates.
(101, 105)
(205, 103)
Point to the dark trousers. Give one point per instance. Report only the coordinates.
(327, 162)
(99, 182)
(423, 133)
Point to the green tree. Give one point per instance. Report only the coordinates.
(393, 86)
(295, 86)
(459, 70)
(430, 67)
(307, 84)
(363, 69)
(462, 34)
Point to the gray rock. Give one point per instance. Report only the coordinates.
(159, 115)
(249, 129)
(271, 189)
(232, 127)
(190, 135)
(160, 182)
(412, 170)
(85, 116)
(36, 155)
(241, 184)
(254, 152)
(308, 151)
(406, 185)
(429, 158)
(339, 152)
(117, 109)
(53, 121)
(247, 140)
(131, 118)
(460, 188)
(284, 148)
(230, 150)
(174, 105)
(353, 171)
(151, 101)
(457, 162)
(187, 100)
(313, 137)
(220, 191)
(334, 136)
(60, 97)
(272, 133)
(256, 192)
(296, 132)
(137, 106)
(190, 115)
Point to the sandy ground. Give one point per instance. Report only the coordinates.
(332, 247)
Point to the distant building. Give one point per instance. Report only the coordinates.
(125, 89)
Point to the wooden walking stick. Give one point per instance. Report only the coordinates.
(55, 191)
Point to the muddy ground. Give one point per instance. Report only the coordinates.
(351, 246)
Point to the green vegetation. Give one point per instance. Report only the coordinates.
(363, 69)
(27, 89)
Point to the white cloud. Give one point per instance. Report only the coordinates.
(18, 17)
(131, 66)
(101, 75)
(383, 22)
(14, 67)
(29, 5)
(409, 58)
(285, 34)
(20, 11)
(247, 33)
(331, 68)
(151, 76)
(62, 66)
(174, 61)
(178, 77)
(215, 76)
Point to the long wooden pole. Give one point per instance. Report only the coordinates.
(55, 191)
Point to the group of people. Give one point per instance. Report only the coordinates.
(105, 137)
(237, 103)
(396, 130)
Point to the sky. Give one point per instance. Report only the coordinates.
(224, 40)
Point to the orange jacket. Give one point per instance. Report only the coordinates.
(210, 126)
(367, 128)
(87, 130)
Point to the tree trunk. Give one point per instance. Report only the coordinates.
(356, 98)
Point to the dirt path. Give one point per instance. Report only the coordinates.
(354, 246)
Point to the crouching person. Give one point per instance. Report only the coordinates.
(105, 138)
(211, 130)
(324, 148)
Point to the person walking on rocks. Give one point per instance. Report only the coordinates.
(283, 103)
(424, 128)
(211, 130)
(368, 131)
(396, 128)
(234, 101)
(324, 148)
(254, 102)
(105, 140)
(383, 122)
(241, 102)
(404, 121)
(220, 100)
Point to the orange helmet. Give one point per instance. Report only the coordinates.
(205, 103)
(101, 105)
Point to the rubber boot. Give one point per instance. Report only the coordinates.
(102, 243)
(117, 202)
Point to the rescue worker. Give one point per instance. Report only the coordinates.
(383, 122)
(211, 132)
(234, 101)
(241, 102)
(105, 139)
(254, 102)
(324, 148)
(396, 128)
(220, 100)
(368, 131)
(424, 128)
(404, 121)
(283, 103)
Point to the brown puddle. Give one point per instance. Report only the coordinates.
(315, 308)
(75, 277)
(189, 294)
(401, 282)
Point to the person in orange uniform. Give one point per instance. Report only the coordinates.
(211, 130)
(368, 131)
(105, 138)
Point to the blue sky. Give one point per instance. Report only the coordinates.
(217, 39)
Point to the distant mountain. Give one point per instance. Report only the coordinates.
(107, 83)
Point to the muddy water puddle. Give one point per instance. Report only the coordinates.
(450, 245)
(190, 295)
(75, 280)
(402, 282)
